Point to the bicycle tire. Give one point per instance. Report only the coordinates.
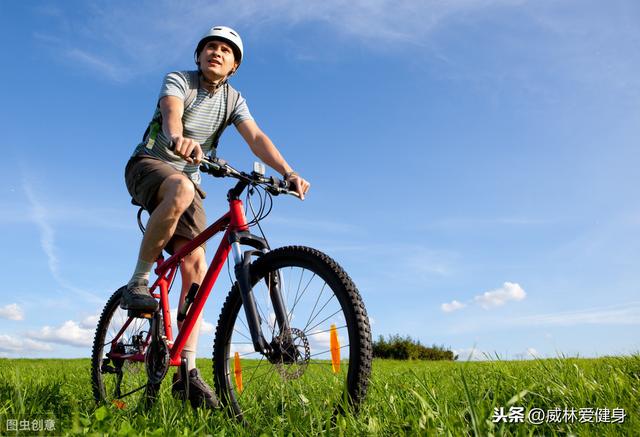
(347, 387)
(104, 382)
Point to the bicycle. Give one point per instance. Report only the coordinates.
(303, 336)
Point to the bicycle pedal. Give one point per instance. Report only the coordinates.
(139, 314)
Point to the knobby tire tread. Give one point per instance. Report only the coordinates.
(357, 381)
(97, 353)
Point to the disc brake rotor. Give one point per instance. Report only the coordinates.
(295, 345)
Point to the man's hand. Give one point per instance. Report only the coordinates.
(187, 149)
(301, 184)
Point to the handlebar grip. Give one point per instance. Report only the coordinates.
(284, 187)
(172, 147)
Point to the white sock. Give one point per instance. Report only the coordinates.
(142, 271)
(191, 358)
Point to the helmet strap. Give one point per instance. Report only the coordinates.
(211, 83)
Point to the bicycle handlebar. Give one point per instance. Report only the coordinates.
(219, 168)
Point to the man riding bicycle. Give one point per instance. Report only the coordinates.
(163, 174)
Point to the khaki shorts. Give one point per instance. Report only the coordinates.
(144, 175)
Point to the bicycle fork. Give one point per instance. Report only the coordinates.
(243, 278)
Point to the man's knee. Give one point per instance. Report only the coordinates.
(195, 263)
(176, 193)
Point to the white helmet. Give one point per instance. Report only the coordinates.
(225, 34)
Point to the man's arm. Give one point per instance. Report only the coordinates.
(172, 108)
(262, 146)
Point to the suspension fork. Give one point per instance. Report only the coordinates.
(243, 277)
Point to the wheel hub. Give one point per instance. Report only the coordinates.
(290, 353)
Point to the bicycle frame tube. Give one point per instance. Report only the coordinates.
(235, 223)
(234, 220)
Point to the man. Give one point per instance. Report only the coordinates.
(162, 174)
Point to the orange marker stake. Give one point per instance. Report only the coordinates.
(118, 404)
(237, 371)
(335, 349)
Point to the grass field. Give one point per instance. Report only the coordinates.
(405, 398)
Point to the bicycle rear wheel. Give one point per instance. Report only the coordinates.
(115, 378)
(328, 363)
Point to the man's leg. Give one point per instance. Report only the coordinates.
(174, 196)
(192, 270)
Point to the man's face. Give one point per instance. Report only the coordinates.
(217, 59)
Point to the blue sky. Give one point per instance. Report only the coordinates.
(474, 162)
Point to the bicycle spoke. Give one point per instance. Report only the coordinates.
(118, 339)
(304, 368)
(247, 353)
(327, 351)
(319, 311)
(302, 294)
(244, 324)
(295, 299)
(243, 335)
(320, 323)
(324, 331)
(315, 305)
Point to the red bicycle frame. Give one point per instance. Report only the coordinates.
(233, 221)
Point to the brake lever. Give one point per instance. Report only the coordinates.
(215, 167)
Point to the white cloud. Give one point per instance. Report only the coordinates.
(125, 39)
(113, 71)
(90, 322)
(533, 353)
(39, 215)
(47, 239)
(452, 306)
(69, 333)
(623, 314)
(510, 291)
(470, 354)
(242, 349)
(11, 312)
(14, 345)
(206, 327)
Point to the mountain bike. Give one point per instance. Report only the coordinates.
(292, 334)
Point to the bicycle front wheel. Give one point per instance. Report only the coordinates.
(326, 352)
(116, 378)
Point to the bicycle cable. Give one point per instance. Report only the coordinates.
(262, 213)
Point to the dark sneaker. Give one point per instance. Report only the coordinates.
(136, 297)
(200, 394)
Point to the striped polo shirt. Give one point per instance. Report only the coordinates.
(200, 121)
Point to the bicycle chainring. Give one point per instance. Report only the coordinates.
(157, 360)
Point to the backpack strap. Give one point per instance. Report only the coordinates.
(156, 122)
(230, 104)
(194, 82)
(192, 92)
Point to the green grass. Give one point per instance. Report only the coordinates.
(405, 398)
